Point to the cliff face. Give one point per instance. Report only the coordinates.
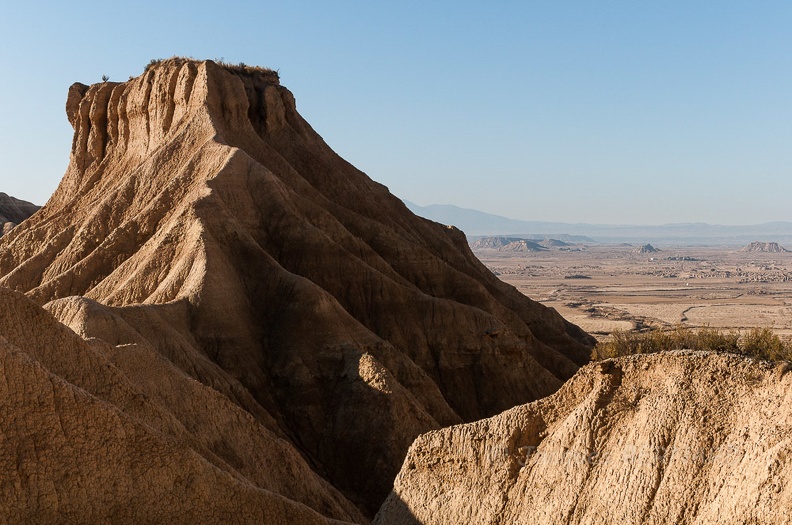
(13, 211)
(683, 437)
(203, 219)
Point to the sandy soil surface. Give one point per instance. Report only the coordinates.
(603, 288)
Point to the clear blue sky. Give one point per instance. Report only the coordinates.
(579, 111)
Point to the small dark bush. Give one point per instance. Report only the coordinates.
(154, 62)
(764, 343)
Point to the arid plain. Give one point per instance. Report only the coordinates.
(603, 288)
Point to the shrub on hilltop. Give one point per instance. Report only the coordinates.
(762, 343)
(240, 68)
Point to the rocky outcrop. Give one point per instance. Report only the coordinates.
(204, 225)
(682, 437)
(507, 244)
(554, 243)
(491, 243)
(644, 249)
(523, 245)
(13, 211)
(764, 247)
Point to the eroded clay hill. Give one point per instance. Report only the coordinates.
(13, 211)
(644, 249)
(507, 244)
(202, 220)
(682, 437)
(764, 247)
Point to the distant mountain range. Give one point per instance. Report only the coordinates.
(477, 223)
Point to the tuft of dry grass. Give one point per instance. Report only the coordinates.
(756, 342)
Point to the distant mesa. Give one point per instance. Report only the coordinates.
(554, 243)
(13, 211)
(523, 245)
(491, 243)
(570, 240)
(764, 247)
(646, 248)
(518, 244)
(507, 244)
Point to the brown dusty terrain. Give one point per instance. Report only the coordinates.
(275, 314)
(680, 437)
(604, 288)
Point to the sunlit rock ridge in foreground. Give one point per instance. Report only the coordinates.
(256, 329)
(671, 438)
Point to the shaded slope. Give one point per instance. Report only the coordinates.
(682, 437)
(228, 237)
(13, 211)
(117, 434)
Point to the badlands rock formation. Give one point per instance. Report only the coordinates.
(646, 248)
(211, 250)
(765, 247)
(492, 243)
(554, 243)
(523, 245)
(13, 211)
(682, 438)
(507, 244)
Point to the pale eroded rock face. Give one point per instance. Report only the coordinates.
(682, 437)
(204, 225)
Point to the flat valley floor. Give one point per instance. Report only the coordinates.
(603, 288)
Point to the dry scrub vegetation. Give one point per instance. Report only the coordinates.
(756, 342)
(241, 68)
